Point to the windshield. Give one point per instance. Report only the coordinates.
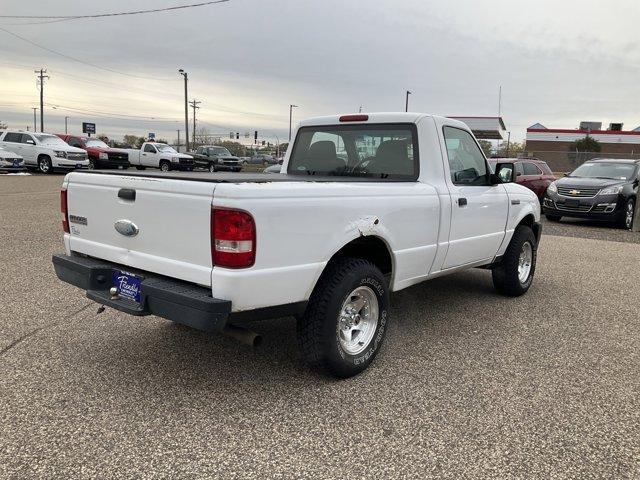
(96, 143)
(165, 148)
(385, 151)
(51, 140)
(611, 171)
(219, 151)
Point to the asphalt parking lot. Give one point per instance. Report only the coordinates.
(468, 385)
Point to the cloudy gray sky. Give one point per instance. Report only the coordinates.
(558, 62)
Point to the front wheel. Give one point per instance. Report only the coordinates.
(212, 168)
(44, 165)
(92, 164)
(346, 319)
(514, 275)
(165, 166)
(626, 221)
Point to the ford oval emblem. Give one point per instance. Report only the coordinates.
(126, 228)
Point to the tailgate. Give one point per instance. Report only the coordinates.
(172, 218)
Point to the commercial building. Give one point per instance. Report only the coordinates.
(553, 145)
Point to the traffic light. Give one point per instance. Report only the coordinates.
(255, 136)
(263, 143)
(237, 135)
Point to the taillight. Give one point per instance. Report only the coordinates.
(354, 118)
(64, 210)
(233, 238)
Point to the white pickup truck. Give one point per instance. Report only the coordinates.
(159, 155)
(366, 205)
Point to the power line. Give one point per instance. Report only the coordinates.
(57, 106)
(69, 57)
(115, 14)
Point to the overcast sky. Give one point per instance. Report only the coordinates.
(558, 62)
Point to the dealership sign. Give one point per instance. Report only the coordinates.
(88, 128)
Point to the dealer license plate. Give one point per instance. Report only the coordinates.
(127, 284)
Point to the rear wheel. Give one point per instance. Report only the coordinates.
(212, 167)
(92, 164)
(514, 275)
(44, 165)
(346, 319)
(552, 218)
(165, 166)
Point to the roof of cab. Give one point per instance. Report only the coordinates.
(377, 117)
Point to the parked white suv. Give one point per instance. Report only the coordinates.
(43, 151)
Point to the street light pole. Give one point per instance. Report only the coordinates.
(291, 107)
(186, 109)
(406, 102)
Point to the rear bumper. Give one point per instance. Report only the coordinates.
(178, 301)
(12, 169)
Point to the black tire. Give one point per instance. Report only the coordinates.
(318, 329)
(44, 165)
(212, 167)
(92, 164)
(165, 165)
(627, 215)
(505, 275)
(552, 218)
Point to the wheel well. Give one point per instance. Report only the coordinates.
(43, 155)
(530, 222)
(368, 248)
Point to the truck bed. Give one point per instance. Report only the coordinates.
(239, 177)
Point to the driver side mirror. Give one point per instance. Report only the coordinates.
(31, 142)
(505, 173)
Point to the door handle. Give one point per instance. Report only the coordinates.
(462, 201)
(515, 202)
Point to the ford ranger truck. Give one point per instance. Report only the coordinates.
(366, 205)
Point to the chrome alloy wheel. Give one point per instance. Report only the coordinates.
(628, 215)
(358, 320)
(524, 262)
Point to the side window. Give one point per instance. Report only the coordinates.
(74, 142)
(466, 161)
(519, 169)
(149, 148)
(27, 139)
(13, 137)
(531, 169)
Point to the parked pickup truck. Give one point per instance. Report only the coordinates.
(100, 154)
(215, 158)
(326, 242)
(159, 155)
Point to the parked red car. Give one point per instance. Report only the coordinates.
(530, 172)
(100, 154)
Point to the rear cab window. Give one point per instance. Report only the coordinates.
(382, 151)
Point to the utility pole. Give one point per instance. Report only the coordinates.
(406, 101)
(41, 77)
(194, 105)
(186, 110)
(291, 107)
(35, 128)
